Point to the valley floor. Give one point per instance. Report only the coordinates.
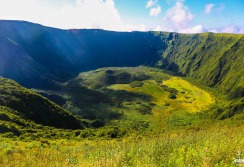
(189, 97)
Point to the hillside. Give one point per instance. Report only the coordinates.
(215, 60)
(39, 57)
(123, 96)
(42, 56)
(102, 98)
(151, 117)
(25, 108)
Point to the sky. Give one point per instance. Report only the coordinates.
(183, 16)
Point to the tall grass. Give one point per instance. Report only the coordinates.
(216, 146)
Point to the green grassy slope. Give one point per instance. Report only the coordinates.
(19, 104)
(39, 57)
(142, 116)
(122, 97)
(216, 146)
(215, 60)
(88, 94)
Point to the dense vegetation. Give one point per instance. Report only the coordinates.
(18, 103)
(139, 125)
(103, 98)
(214, 146)
(213, 59)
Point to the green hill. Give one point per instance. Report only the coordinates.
(40, 56)
(102, 98)
(47, 58)
(215, 60)
(20, 106)
(117, 94)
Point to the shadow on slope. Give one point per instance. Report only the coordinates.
(35, 107)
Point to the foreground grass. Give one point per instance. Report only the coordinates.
(216, 146)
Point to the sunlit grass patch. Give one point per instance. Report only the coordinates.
(187, 98)
(192, 98)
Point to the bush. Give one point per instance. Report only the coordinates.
(145, 110)
(171, 90)
(141, 77)
(172, 96)
(136, 84)
(123, 78)
(167, 104)
(237, 93)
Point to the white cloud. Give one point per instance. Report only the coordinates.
(90, 14)
(212, 7)
(151, 3)
(208, 8)
(155, 11)
(233, 30)
(155, 8)
(102, 14)
(179, 19)
(158, 28)
(179, 16)
(192, 30)
(213, 30)
(197, 29)
(140, 27)
(81, 14)
(189, 30)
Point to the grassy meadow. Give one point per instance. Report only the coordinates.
(131, 117)
(210, 146)
(188, 97)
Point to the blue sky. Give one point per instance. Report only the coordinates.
(185, 16)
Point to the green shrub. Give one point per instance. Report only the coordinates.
(167, 104)
(145, 110)
(172, 96)
(136, 84)
(168, 89)
(237, 93)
